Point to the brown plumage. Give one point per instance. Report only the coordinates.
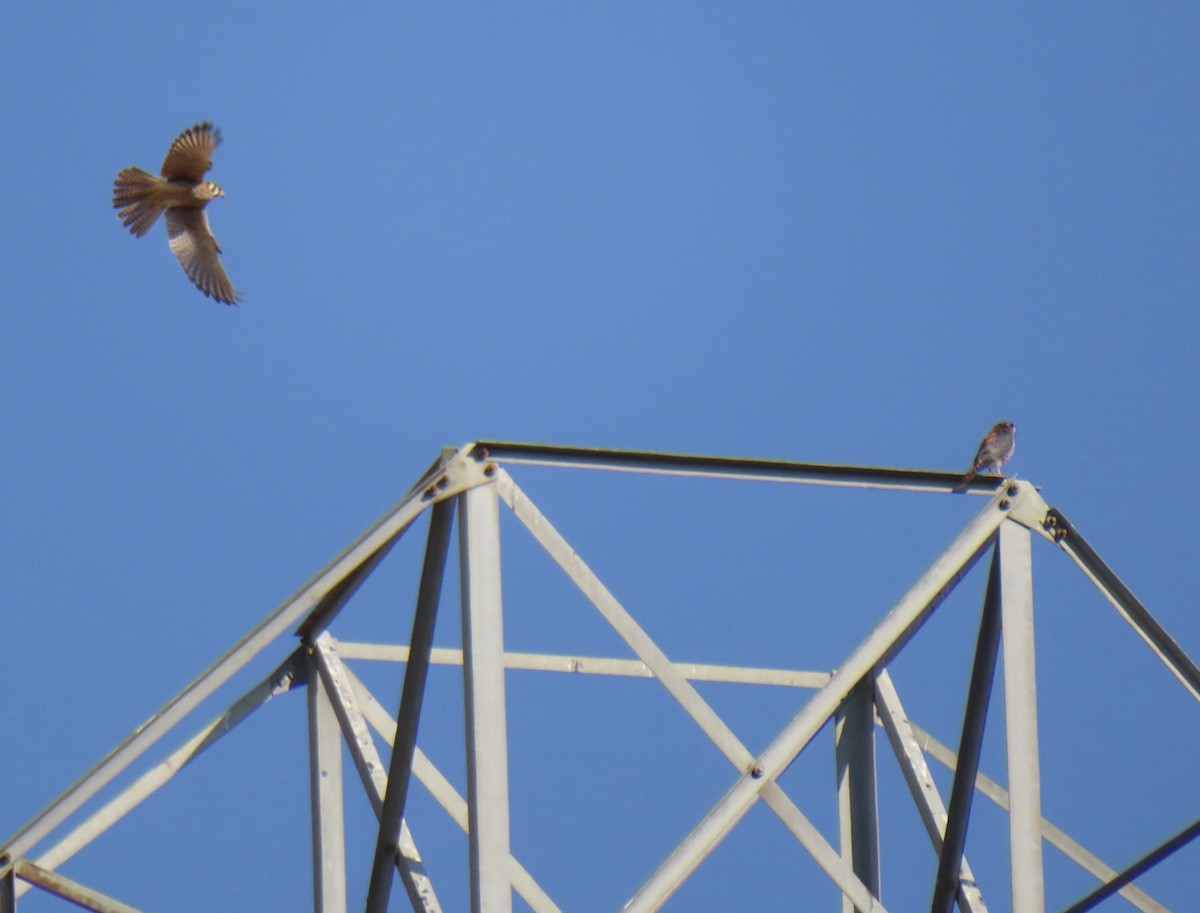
(994, 451)
(182, 193)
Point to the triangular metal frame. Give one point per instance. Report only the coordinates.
(475, 481)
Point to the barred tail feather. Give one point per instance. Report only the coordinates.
(967, 480)
(134, 195)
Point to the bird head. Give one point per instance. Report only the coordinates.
(209, 190)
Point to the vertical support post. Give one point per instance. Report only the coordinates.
(325, 784)
(970, 745)
(387, 844)
(483, 685)
(8, 896)
(854, 739)
(1020, 692)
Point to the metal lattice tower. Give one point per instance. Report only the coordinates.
(859, 698)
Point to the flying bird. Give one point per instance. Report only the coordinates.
(994, 451)
(182, 193)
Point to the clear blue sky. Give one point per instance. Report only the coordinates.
(829, 233)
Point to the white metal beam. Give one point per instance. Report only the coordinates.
(446, 795)
(279, 681)
(1137, 869)
(887, 637)
(483, 683)
(858, 813)
(596, 665)
(380, 536)
(1052, 834)
(370, 770)
(1020, 704)
(688, 697)
(903, 737)
(325, 788)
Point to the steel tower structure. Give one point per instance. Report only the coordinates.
(859, 698)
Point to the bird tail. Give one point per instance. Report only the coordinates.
(135, 194)
(967, 480)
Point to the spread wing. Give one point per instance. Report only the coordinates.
(198, 252)
(191, 153)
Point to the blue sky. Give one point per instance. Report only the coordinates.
(796, 231)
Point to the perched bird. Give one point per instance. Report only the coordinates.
(994, 451)
(182, 193)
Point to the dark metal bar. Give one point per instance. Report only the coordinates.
(1053, 835)
(962, 792)
(1143, 865)
(335, 600)
(731, 467)
(328, 608)
(400, 766)
(8, 897)
(1173, 655)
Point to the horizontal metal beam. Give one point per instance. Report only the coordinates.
(596, 665)
(680, 464)
(1154, 634)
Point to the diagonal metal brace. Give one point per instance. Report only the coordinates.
(1173, 656)
(371, 771)
(687, 696)
(68, 889)
(884, 641)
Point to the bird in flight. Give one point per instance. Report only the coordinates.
(182, 193)
(994, 451)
